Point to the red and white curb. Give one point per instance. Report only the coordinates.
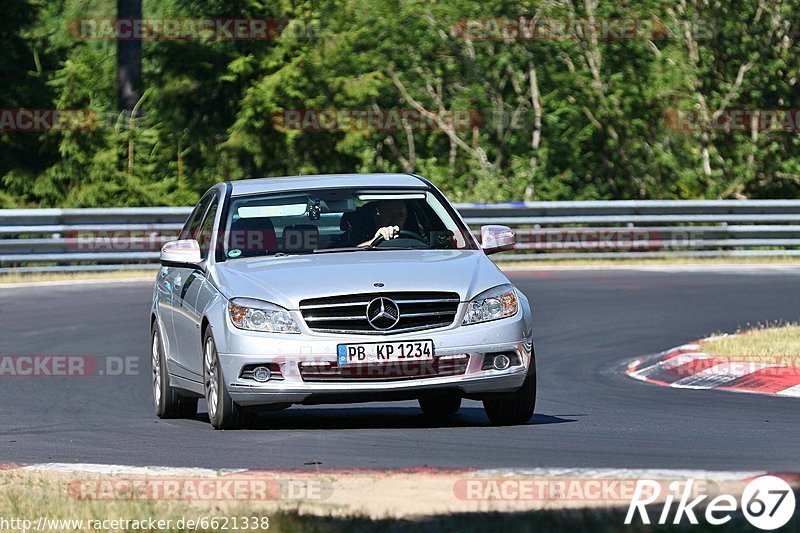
(688, 367)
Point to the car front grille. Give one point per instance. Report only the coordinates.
(451, 365)
(348, 314)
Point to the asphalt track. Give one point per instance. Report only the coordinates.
(587, 323)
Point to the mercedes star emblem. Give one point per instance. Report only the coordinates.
(383, 314)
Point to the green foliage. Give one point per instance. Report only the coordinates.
(603, 129)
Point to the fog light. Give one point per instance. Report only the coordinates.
(261, 374)
(501, 362)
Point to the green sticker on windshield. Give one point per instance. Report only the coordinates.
(233, 254)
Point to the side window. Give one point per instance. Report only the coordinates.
(193, 224)
(204, 236)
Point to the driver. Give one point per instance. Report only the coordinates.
(389, 217)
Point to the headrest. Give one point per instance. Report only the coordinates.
(359, 224)
(253, 236)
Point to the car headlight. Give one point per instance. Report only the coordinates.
(494, 304)
(255, 315)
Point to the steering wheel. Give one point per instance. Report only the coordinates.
(402, 233)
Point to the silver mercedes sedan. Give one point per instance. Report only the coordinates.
(337, 289)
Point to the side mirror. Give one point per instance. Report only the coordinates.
(497, 239)
(184, 253)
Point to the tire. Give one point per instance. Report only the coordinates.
(513, 408)
(440, 405)
(223, 413)
(168, 403)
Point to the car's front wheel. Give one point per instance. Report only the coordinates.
(513, 408)
(222, 411)
(169, 404)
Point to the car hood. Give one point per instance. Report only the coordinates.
(288, 280)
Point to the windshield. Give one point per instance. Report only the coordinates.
(328, 221)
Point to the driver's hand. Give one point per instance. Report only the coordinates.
(387, 232)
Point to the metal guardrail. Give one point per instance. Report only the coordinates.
(120, 238)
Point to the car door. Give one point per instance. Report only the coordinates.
(186, 317)
(207, 295)
(170, 286)
(164, 302)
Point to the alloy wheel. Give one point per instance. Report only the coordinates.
(212, 393)
(156, 364)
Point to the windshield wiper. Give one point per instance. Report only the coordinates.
(401, 248)
(344, 249)
(369, 247)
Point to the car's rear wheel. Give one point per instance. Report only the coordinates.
(169, 404)
(440, 405)
(513, 408)
(222, 410)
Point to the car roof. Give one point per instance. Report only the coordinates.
(324, 181)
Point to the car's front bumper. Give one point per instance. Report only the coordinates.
(243, 348)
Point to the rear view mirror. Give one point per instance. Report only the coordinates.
(184, 253)
(268, 211)
(497, 239)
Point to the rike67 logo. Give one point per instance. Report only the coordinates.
(767, 502)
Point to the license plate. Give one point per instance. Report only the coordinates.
(382, 352)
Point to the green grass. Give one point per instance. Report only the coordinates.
(761, 344)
